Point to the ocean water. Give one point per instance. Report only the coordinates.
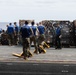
(3, 25)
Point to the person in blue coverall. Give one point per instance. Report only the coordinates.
(0, 30)
(25, 33)
(16, 33)
(41, 38)
(58, 37)
(33, 37)
(11, 32)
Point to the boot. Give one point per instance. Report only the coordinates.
(35, 51)
(29, 54)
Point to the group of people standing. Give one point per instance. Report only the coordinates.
(29, 34)
(10, 36)
(33, 34)
(13, 32)
(36, 34)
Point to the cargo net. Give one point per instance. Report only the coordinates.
(50, 31)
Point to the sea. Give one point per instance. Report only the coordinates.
(3, 25)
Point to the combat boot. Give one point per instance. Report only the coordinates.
(35, 51)
(29, 54)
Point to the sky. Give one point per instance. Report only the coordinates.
(38, 10)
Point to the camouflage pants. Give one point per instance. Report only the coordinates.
(26, 46)
(11, 38)
(40, 41)
(33, 39)
(41, 38)
(16, 39)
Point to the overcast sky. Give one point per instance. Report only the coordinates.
(13, 10)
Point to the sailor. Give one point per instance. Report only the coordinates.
(25, 33)
(4, 38)
(33, 37)
(16, 33)
(0, 30)
(11, 32)
(58, 37)
(41, 38)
